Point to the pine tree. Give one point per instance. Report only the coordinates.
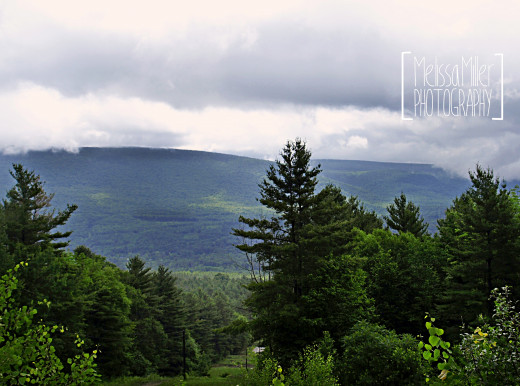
(288, 190)
(172, 316)
(300, 248)
(149, 338)
(481, 235)
(404, 216)
(28, 219)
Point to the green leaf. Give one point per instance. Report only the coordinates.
(421, 345)
(427, 355)
(434, 340)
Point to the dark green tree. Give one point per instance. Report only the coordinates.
(404, 216)
(481, 236)
(6, 259)
(106, 317)
(28, 219)
(333, 219)
(288, 191)
(172, 316)
(149, 338)
(301, 269)
(404, 276)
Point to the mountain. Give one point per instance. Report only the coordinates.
(177, 207)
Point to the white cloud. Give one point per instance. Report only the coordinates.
(242, 77)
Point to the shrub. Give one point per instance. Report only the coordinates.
(374, 355)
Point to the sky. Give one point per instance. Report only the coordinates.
(243, 78)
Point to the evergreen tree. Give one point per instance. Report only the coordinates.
(28, 219)
(481, 236)
(149, 338)
(301, 248)
(288, 190)
(333, 219)
(172, 316)
(6, 259)
(404, 216)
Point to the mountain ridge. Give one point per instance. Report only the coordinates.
(177, 207)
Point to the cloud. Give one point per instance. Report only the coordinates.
(243, 78)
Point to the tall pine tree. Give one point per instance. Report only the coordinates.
(481, 235)
(288, 190)
(301, 247)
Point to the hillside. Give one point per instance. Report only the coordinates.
(177, 207)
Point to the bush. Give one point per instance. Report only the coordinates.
(374, 355)
(265, 370)
(312, 368)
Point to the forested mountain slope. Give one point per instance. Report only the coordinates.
(177, 207)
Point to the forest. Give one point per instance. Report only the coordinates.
(335, 293)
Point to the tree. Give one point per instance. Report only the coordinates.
(311, 285)
(404, 276)
(404, 216)
(106, 317)
(288, 191)
(333, 219)
(172, 316)
(481, 236)
(27, 218)
(149, 338)
(373, 355)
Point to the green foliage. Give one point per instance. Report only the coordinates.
(492, 352)
(27, 354)
(266, 371)
(303, 283)
(374, 355)
(437, 351)
(336, 300)
(312, 368)
(404, 274)
(404, 216)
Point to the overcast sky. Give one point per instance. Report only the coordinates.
(242, 78)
